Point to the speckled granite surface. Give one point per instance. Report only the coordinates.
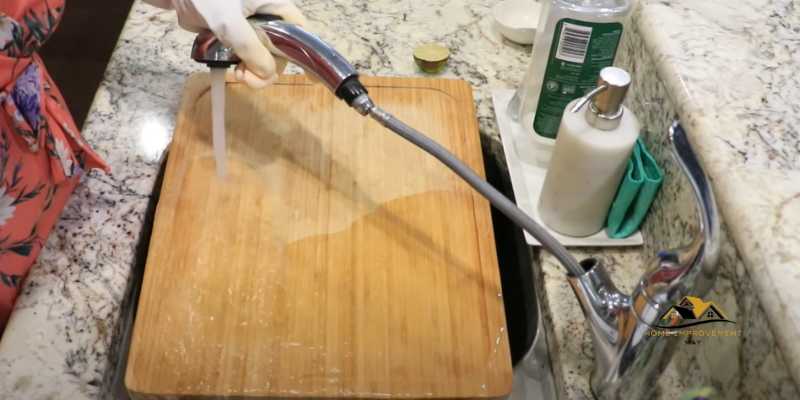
(751, 366)
(692, 49)
(63, 341)
(732, 74)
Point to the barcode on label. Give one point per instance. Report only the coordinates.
(573, 43)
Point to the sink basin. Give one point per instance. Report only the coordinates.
(515, 259)
(529, 352)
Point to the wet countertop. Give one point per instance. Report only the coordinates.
(64, 338)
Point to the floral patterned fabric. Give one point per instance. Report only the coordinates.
(42, 155)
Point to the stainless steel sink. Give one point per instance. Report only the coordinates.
(533, 377)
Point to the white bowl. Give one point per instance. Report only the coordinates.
(517, 19)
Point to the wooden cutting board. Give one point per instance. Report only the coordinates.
(335, 260)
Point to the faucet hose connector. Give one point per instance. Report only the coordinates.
(350, 90)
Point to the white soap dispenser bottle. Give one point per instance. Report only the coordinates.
(591, 153)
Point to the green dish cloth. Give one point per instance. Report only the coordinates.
(635, 195)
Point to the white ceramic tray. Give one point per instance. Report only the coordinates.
(527, 176)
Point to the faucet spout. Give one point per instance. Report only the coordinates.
(691, 269)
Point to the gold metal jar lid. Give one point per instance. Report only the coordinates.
(431, 58)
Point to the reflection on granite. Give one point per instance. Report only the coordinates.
(753, 366)
(63, 341)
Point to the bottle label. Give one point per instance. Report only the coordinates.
(580, 50)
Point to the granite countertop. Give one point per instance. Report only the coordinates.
(732, 71)
(63, 340)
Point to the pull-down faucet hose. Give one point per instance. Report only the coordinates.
(501, 202)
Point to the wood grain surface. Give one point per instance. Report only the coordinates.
(335, 260)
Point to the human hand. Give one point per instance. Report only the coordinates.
(228, 20)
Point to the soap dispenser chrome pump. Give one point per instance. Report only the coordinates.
(590, 156)
(605, 101)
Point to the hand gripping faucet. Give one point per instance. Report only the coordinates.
(628, 358)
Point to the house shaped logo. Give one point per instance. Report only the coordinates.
(691, 311)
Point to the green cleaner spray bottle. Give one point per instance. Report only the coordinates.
(575, 40)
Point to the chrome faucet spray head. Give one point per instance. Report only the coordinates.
(209, 50)
(295, 44)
